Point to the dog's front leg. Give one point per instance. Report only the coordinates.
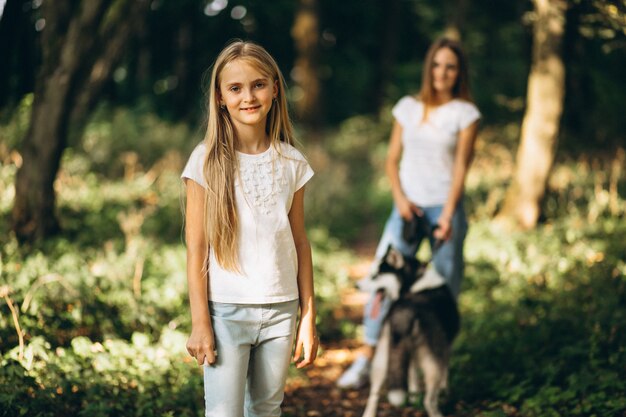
(378, 372)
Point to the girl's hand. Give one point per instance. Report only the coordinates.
(406, 208)
(201, 345)
(306, 339)
(444, 231)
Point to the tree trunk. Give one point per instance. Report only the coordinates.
(141, 74)
(63, 43)
(540, 127)
(387, 52)
(456, 11)
(75, 37)
(305, 32)
(33, 214)
(184, 42)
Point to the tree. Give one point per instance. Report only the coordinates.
(455, 16)
(81, 44)
(305, 33)
(386, 53)
(17, 34)
(540, 127)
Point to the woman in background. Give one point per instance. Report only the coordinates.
(430, 151)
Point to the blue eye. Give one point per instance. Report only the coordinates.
(234, 88)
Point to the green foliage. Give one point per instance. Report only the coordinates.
(13, 128)
(330, 263)
(121, 139)
(349, 190)
(103, 307)
(115, 377)
(542, 310)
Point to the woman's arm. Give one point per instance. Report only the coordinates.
(462, 160)
(404, 206)
(306, 336)
(201, 342)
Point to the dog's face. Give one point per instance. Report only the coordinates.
(393, 273)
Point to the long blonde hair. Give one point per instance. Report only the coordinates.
(461, 87)
(221, 165)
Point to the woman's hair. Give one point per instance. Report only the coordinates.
(221, 164)
(461, 87)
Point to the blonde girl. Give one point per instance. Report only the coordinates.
(249, 265)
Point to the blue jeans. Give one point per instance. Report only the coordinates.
(254, 345)
(448, 260)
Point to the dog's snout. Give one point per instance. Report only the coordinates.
(365, 284)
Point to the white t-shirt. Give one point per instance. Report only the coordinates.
(267, 254)
(429, 146)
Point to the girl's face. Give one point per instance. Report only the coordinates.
(246, 93)
(445, 70)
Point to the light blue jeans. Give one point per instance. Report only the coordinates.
(448, 260)
(254, 343)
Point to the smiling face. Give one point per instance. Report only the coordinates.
(445, 71)
(247, 94)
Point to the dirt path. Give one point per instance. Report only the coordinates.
(317, 396)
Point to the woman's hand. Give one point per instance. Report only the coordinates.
(444, 230)
(306, 342)
(406, 208)
(201, 345)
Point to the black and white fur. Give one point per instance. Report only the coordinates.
(417, 333)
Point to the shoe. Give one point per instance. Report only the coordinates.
(357, 375)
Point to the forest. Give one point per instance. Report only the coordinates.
(102, 102)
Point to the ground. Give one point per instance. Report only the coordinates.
(317, 395)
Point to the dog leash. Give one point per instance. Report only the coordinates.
(419, 225)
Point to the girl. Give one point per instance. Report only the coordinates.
(248, 257)
(430, 151)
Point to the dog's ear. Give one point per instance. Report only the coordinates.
(394, 258)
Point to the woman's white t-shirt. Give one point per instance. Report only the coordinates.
(267, 255)
(429, 147)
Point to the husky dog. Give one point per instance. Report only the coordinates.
(417, 334)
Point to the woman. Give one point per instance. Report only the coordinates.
(430, 151)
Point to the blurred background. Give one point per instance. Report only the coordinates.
(101, 102)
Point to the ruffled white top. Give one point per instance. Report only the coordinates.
(264, 192)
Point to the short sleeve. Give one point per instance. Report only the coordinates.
(469, 114)
(193, 169)
(304, 173)
(405, 110)
(301, 168)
